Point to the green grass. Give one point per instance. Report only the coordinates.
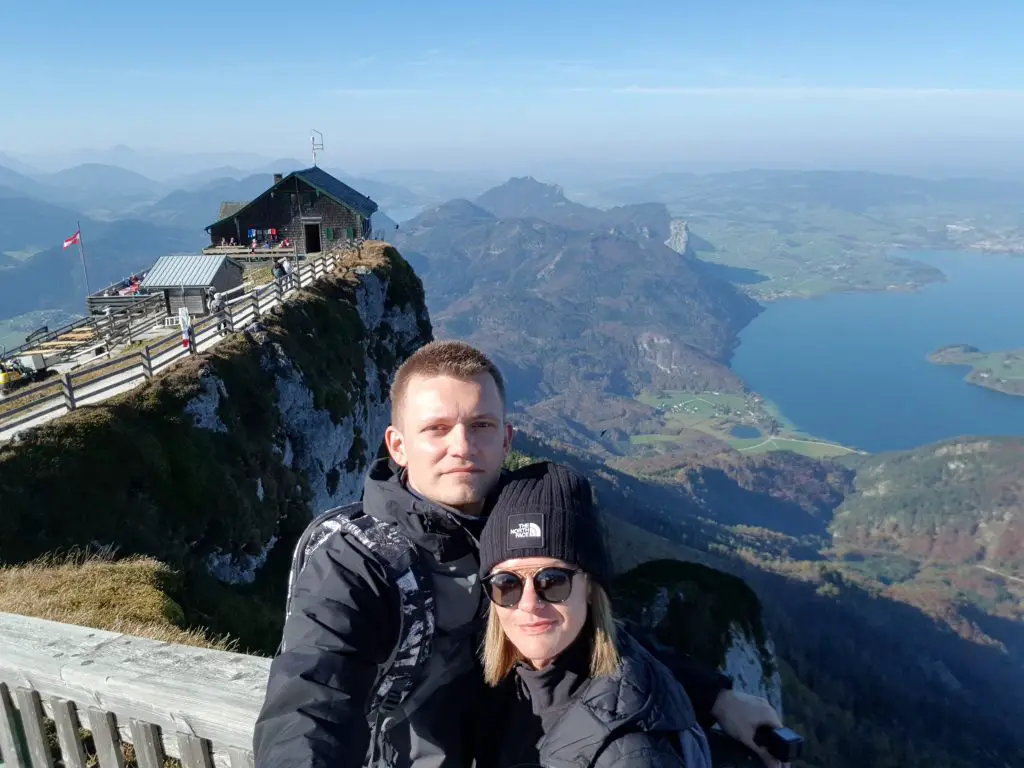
(717, 413)
(1002, 371)
(813, 448)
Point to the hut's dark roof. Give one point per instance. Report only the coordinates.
(320, 180)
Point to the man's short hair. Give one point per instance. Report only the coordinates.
(443, 358)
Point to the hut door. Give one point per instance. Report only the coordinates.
(312, 238)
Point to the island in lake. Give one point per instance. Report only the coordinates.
(1000, 371)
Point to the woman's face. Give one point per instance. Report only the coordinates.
(538, 629)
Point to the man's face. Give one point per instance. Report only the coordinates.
(452, 439)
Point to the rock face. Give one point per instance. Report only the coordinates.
(232, 451)
(679, 236)
(700, 611)
(330, 453)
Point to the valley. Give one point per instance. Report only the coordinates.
(745, 422)
(804, 234)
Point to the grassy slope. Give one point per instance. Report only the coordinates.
(136, 596)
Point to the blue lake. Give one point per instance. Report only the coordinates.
(852, 367)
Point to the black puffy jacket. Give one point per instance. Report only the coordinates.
(345, 623)
(560, 717)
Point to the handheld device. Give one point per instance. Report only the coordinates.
(783, 744)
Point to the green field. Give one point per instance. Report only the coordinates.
(1001, 371)
(718, 414)
(809, 253)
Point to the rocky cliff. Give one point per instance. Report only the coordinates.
(231, 451)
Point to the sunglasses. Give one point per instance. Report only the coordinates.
(552, 585)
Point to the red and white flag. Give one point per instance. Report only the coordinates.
(73, 240)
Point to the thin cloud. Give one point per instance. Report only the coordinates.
(797, 91)
(378, 91)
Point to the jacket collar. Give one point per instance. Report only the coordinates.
(429, 525)
(642, 695)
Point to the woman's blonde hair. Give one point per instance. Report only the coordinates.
(499, 655)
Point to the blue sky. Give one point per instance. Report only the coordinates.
(436, 85)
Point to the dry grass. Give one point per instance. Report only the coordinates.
(20, 397)
(373, 254)
(254, 278)
(93, 372)
(94, 590)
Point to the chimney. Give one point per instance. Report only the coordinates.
(278, 177)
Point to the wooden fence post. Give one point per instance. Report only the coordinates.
(69, 392)
(147, 363)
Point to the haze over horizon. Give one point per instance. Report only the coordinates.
(933, 86)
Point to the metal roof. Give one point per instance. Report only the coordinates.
(189, 270)
(319, 179)
(338, 190)
(229, 209)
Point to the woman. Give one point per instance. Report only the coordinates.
(569, 689)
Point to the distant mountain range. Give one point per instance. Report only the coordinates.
(582, 306)
(45, 277)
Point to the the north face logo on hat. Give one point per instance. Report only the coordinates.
(525, 531)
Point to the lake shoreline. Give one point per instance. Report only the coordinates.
(852, 367)
(1001, 371)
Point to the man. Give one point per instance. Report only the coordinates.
(447, 441)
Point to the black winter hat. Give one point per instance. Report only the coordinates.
(545, 510)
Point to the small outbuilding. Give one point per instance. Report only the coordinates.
(185, 280)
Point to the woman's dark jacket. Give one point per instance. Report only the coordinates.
(560, 717)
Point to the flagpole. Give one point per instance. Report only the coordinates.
(81, 251)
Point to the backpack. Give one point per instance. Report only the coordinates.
(401, 561)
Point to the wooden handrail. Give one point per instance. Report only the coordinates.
(247, 304)
(194, 703)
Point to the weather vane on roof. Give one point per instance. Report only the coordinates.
(316, 145)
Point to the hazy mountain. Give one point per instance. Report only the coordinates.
(594, 312)
(97, 177)
(849, 191)
(156, 164)
(528, 198)
(198, 208)
(52, 277)
(437, 186)
(17, 165)
(25, 185)
(192, 181)
(27, 223)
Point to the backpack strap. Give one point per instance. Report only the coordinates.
(316, 533)
(406, 570)
(404, 567)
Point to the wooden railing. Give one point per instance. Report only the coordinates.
(88, 385)
(164, 699)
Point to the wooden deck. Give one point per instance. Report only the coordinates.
(167, 700)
